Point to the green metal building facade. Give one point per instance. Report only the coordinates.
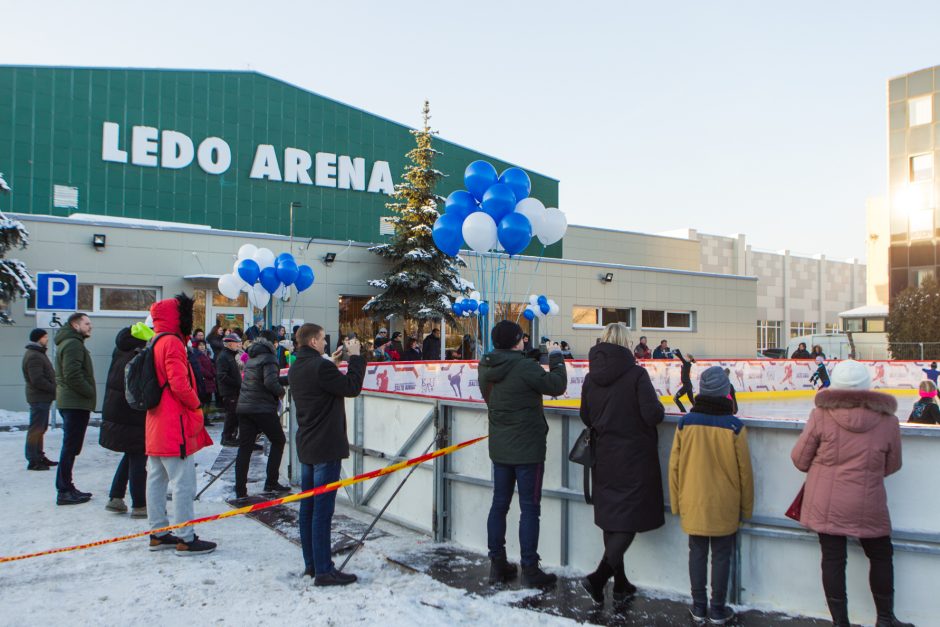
(58, 156)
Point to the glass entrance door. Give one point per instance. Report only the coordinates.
(229, 317)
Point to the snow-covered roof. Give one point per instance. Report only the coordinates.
(136, 221)
(866, 311)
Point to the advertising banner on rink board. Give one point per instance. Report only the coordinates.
(457, 380)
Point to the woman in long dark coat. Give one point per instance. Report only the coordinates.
(620, 405)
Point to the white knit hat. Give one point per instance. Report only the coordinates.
(850, 375)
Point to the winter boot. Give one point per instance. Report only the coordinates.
(884, 603)
(86, 495)
(720, 615)
(194, 547)
(595, 582)
(47, 461)
(839, 608)
(37, 466)
(535, 577)
(501, 570)
(276, 488)
(71, 498)
(623, 589)
(117, 506)
(335, 578)
(139, 512)
(160, 543)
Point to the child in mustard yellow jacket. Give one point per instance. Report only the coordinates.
(711, 489)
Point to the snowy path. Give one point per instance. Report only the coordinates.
(253, 578)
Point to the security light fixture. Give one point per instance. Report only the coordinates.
(98, 240)
(607, 278)
(329, 258)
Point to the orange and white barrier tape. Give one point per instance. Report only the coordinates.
(330, 487)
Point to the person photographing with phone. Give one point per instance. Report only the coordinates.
(319, 391)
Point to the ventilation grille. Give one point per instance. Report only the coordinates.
(386, 226)
(65, 197)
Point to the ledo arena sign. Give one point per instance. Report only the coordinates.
(151, 147)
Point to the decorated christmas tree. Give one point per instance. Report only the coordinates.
(421, 278)
(15, 281)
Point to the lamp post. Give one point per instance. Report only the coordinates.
(293, 205)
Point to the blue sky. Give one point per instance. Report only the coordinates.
(722, 116)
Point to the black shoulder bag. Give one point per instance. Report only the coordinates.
(583, 453)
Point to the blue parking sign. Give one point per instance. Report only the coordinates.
(56, 291)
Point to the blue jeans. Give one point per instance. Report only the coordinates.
(74, 424)
(528, 478)
(316, 516)
(38, 423)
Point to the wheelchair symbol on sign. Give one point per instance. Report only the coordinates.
(55, 321)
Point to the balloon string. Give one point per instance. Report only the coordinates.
(531, 280)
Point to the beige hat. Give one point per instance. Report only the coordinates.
(850, 375)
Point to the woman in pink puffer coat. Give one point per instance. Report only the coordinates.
(851, 442)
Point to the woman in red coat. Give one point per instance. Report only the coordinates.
(851, 442)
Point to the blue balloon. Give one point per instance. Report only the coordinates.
(269, 280)
(545, 308)
(484, 308)
(447, 234)
(248, 270)
(479, 177)
(287, 271)
(457, 308)
(469, 304)
(528, 314)
(542, 300)
(305, 278)
(282, 258)
(515, 233)
(499, 201)
(461, 203)
(518, 181)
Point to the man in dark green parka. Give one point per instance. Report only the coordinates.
(513, 386)
(75, 398)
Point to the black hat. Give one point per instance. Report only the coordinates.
(381, 341)
(506, 334)
(37, 334)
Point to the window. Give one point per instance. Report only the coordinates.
(598, 317)
(512, 311)
(874, 325)
(669, 320)
(921, 224)
(919, 275)
(833, 328)
(768, 334)
(798, 329)
(922, 168)
(920, 110)
(125, 299)
(352, 319)
(87, 294)
(853, 325)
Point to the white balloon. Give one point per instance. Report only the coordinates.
(281, 291)
(235, 266)
(258, 296)
(475, 295)
(264, 257)
(247, 251)
(554, 226)
(229, 286)
(534, 301)
(479, 231)
(553, 308)
(534, 210)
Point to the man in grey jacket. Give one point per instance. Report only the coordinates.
(40, 392)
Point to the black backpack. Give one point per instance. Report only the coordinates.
(142, 391)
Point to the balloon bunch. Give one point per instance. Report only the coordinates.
(496, 212)
(539, 307)
(469, 306)
(262, 275)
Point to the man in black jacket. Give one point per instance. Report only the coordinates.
(431, 347)
(228, 381)
(40, 392)
(319, 391)
(261, 392)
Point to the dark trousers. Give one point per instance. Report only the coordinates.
(528, 478)
(74, 424)
(880, 553)
(686, 389)
(133, 470)
(616, 544)
(38, 423)
(230, 427)
(249, 426)
(316, 516)
(721, 549)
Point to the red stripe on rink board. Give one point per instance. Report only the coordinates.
(330, 487)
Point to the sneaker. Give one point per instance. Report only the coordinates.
(160, 543)
(37, 466)
(501, 570)
(80, 493)
(139, 512)
(48, 462)
(71, 498)
(276, 488)
(194, 547)
(699, 613)
(335, 578)
(535, 577)
(720, 615)
(116, 505)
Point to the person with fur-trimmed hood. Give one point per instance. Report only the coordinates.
(175, 429)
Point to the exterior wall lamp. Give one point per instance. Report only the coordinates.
(607, 278)
(99, 240)
(329, 258)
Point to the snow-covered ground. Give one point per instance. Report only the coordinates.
(14, 418)
(253, 578)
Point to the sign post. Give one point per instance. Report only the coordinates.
(56, 298)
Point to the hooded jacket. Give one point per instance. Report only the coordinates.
(850, 443)
(38, 374)
(925, 411)
(228, 376)
(620, 405)
(513, 387)
(260, 391)
(175, 427)
(122, 428)
(74, 372)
